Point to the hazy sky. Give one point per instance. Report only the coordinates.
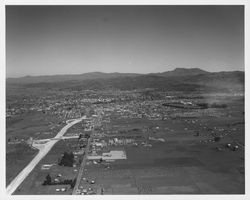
(45, 40)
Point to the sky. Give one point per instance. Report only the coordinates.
(48, 40)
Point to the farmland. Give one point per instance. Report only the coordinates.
(135, 141)
(209, 167)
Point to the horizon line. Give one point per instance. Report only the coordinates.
(139, 73)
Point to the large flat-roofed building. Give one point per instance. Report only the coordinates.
(112, 155)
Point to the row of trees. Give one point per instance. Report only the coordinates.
(48, 181)
(212, 105)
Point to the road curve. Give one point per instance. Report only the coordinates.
(25, 172)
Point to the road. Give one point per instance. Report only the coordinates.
(79, 176)
(47, 147)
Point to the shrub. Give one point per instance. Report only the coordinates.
(217, 138)
(216, 105)
(67, 159)
(47, 180)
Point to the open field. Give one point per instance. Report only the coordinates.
(16, 160)
(171, 168)
(33, 124)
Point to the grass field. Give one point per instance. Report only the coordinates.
(17, 157)
(32, 124)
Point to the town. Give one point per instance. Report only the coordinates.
(123, 132)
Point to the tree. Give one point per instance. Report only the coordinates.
(87, 135)
(80, 136)
(47, 180)
(67, 159)
(73, 183)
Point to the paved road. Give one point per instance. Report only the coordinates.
(79, 176)
(25, 172)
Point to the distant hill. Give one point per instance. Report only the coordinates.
(100, 75)
(67, 77)
(233, 81)
(177, 80)
(183, 72)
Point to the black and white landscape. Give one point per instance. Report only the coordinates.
(125, 100)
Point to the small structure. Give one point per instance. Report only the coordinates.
(46, 166)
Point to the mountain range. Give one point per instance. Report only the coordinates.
(192, 79)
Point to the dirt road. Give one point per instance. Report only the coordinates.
(25, 172)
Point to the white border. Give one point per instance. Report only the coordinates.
(120, 2)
